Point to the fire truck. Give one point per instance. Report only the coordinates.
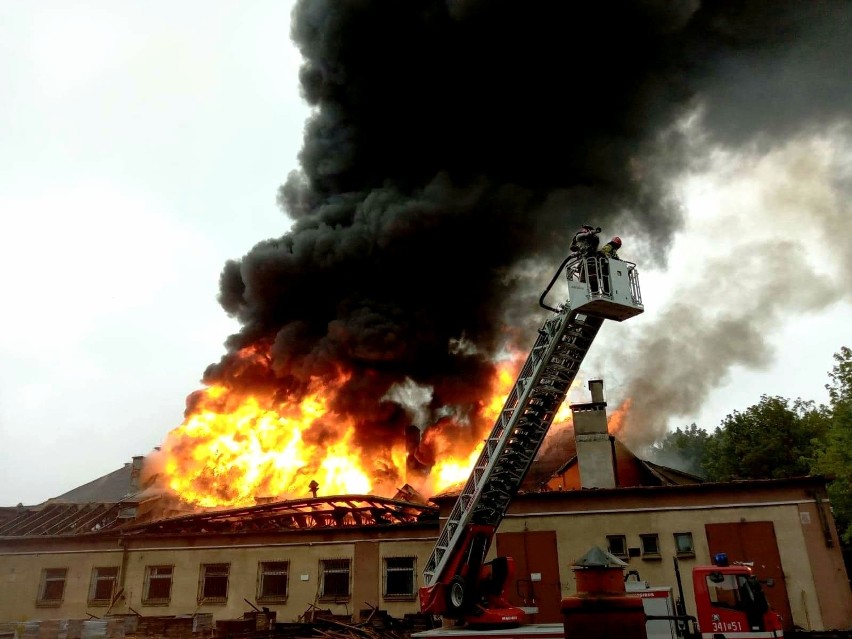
(729, 602)
(458, 582)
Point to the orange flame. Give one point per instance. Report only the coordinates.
(618, 418)
(230, 456)
(235, 447)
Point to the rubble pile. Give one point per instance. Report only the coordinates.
(314, 623)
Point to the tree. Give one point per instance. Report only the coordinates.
(682, 449)
(833, 452)
(769, 440)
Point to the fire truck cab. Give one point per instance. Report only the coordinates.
(730, 602)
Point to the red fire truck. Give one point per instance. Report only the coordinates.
(729, 602)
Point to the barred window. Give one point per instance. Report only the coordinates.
(158, 585)
(51, 590)
(398, 577)
(334, 578)
(272, 581)
(103, 585)
(213, 586)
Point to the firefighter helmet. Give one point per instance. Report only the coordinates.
(616, 241)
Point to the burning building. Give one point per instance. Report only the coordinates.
(443, 171)
(111, 548)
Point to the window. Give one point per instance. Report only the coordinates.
(683, 545)
(617, 545)
(103, 586)
(52, 586)
(158, 585)
(272, 581)
(334, 578)
(650, 546)
(399, 578)
(213, 586)
(723, 590)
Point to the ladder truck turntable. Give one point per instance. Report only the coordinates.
(458, 583)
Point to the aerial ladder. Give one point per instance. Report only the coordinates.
(458, 583)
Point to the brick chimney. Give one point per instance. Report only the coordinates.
(595, 446)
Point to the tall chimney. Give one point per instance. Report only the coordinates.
(135, 473)
(595, 446)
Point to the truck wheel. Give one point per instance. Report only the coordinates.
(456, 594)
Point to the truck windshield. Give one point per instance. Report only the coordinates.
(723, 590)
(739, 592)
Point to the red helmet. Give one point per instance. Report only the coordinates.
(617, 241)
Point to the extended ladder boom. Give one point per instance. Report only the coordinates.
(600, 289)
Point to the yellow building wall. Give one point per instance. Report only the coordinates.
(801, 545)
(577, 534)
(20, 577)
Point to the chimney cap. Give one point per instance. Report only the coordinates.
(597, 557)
(596, 388)
(588, 406)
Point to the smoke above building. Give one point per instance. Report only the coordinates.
(452, 151)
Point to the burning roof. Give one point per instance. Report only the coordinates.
(349, 511)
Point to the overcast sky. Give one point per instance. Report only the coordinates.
(143, 145)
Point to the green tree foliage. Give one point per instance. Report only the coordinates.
(682, 449)
(776, 438)
(833, 452)
(770, 440)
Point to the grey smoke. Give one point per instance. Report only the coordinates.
(790, 263)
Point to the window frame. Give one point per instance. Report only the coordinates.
(327, 567)
(646, 554)
(262, 572)
(623, 539)
(208, 578)
(46, 582)
(97, 579)
(684, 553)
(411, 594)
(147, 599)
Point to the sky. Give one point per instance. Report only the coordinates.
(145, 146)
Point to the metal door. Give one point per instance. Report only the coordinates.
(754, 541)
(536, 584)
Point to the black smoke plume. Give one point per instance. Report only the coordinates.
(455, 147)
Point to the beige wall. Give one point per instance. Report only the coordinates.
(576, 535)
(816, 582)
(20, 575)
(815, 577)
